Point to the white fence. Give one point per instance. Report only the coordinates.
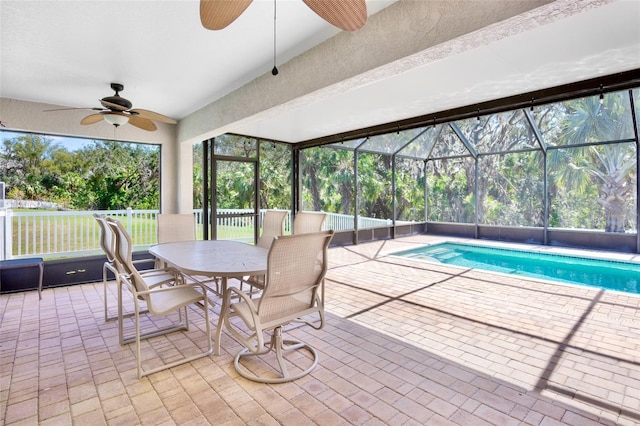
(57, 234)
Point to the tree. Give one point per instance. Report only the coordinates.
(123, 175)
(28, 164)
(198, 176)
(102, 175)
(374, 185)
(608, 165)
(327, 179)
(275, 175)
(410, 181)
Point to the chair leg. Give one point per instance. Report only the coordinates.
(277, 342)
(279, 346)
(137, 318)
(136, 313)
(120, 325)
(139, 337)
(154, 333)
(104, 285)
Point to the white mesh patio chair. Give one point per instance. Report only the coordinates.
(305, 222)
(125, 266)
(107, 243)
(176, 227)
(272, 226)
(296, 267)
(162, 297)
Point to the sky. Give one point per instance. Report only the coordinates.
(70, 143)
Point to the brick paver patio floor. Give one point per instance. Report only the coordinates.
(405, 343)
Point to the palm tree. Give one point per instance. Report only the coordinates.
(609, 165)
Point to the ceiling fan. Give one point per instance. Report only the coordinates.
(117, 111)
(348, 15)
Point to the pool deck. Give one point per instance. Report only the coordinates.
(406, 342)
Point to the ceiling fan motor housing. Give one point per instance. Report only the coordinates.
(117, 99)
(124, 103)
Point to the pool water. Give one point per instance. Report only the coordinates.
(608, 274)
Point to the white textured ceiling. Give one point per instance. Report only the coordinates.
(67, 52)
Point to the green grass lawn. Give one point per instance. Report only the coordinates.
(42, 234)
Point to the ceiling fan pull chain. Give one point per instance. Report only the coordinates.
(274, 71)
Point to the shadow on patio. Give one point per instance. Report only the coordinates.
(405, 343)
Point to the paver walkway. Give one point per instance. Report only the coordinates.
(405, 343)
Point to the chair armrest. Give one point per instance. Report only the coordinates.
(242, 295)
(159, 271)
(135, 262)
(173, 288)
(152, 273)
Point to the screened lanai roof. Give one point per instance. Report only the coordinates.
(599, 118)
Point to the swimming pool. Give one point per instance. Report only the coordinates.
(608, 274)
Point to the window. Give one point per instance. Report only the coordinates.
(80, 174)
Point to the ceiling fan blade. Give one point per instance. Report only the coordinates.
(218, 14)
(142, 123)
(112, 106)
(348, 15)
(69, 109)
(92, 119)
(152, 115)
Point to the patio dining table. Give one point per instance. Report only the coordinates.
(213, 258)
